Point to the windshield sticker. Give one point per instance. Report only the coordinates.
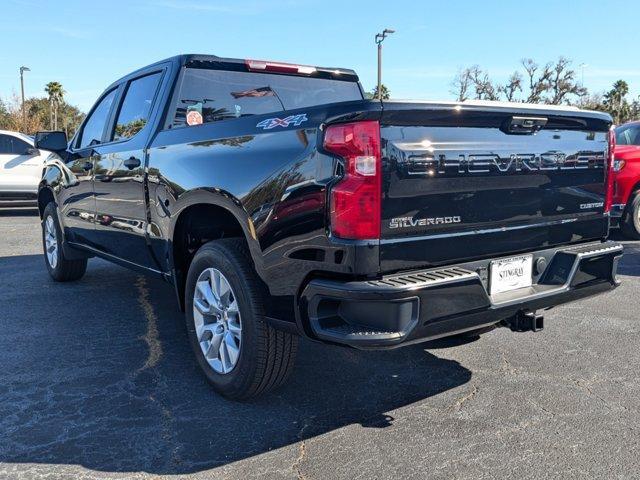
(270, 123)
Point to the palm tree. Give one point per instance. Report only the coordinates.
(616, 103)
(384, 92)
(56, 95)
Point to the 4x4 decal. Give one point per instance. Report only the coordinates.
(270, 123)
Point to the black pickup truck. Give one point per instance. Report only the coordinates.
(279, 202)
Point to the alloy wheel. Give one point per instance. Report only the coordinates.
(217, 320)
(51, 242)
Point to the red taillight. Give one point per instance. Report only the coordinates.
(608, 197)
(355, 200)
(278, 67)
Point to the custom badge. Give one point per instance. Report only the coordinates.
(270, 123)
(194, 117)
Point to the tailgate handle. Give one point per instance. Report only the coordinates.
(523, 125)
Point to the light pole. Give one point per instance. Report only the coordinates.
(24, 115)
(379, 39)
(582, 67)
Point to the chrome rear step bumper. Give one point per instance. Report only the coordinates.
(422, 305)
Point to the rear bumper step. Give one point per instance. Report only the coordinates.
(423, 305)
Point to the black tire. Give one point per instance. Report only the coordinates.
(64, 270)
(631, 219)
(266, 355)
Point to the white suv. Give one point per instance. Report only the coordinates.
(20, 167)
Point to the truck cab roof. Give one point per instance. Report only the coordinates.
(240, 64)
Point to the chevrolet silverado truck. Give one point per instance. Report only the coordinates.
(280, 203)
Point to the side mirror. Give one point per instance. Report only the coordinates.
(53, 141)
(32, 152)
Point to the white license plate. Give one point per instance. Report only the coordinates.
(510, 274)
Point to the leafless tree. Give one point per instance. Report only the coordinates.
(461, 84)
(563, 83)
(539, 80)
(483, 86)
(513, 85)
(474, 83)
(552, 83)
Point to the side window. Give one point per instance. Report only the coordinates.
(20, 147)
(94, 126)
(634, 136)
(136, 107)
(6, 146)
(628, 135)
(12, 146)
(622, 136)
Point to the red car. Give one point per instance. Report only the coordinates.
(626, 187)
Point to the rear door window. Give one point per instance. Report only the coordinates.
(213, 95)
(136, 106)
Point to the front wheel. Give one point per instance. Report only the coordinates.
(60, 268)
(631, 220)
(240, 354)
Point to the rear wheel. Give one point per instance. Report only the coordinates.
(240, 354)
(631, 220)
(60, 268)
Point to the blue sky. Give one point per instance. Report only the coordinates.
(86, 45)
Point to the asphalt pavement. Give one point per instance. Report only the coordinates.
(97, 380)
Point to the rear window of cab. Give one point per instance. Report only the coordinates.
(206, 96)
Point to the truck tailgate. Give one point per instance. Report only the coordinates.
(463, 182)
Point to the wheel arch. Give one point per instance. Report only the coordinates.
(201, 217)
(633, 193)
(628, 222)
(52, 178)
(45, 196)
